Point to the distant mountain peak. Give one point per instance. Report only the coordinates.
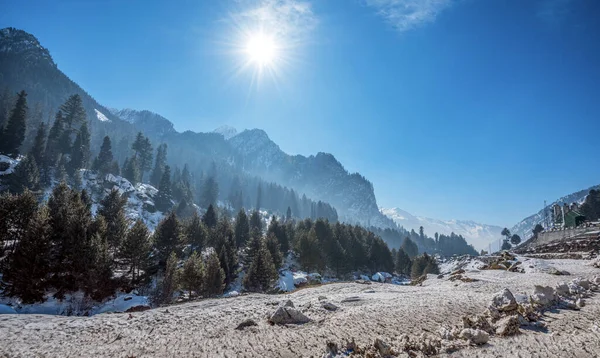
(226, 131)
(25, 45)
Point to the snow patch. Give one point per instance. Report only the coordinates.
(101, 117)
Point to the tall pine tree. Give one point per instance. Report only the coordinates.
(159, 165)
(164, 196)
(14, 131)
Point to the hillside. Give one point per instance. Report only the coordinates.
(26, 64)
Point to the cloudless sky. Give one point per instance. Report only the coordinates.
(473, 109)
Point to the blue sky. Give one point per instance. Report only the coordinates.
(468, 109)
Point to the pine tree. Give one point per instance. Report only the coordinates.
(16, 212)
(131, 170)
(168, 238)
(80, 152)
(135, 250)
(210, 217)
(98, 267)
(192, 275)
(104, 163)
(253, 246)
(53, 147)
(256, 221)
(258, 197)
(214, 276)
(224, 244)
(242, 229)
(288, 214)
(210, 192)
(310, 255)
(402, 262)
(39, 146)
(262, 273)
(159, 165)
(196, 233)
(273, 246)
(146, 156)
(25, 176)
(112, 208)
(29, 266)
(410, 247)
(163, 198)
(73, 111)
(14, 131)
(170, 281)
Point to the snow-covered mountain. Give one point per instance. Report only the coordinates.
(525, 227)
(227, 132)
(476, 234)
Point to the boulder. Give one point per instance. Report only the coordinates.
(329, 306)
(288, 303)
(574, 288)
(504, 301)
(246, 323)
(479, 322)
(584, 283)
(543, 296)
(562, 289)
(288, 315)
(384, 349)
(508, 326)
(475, 336)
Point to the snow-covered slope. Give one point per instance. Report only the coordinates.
(525, 226)
(476, 234)
(227, 132)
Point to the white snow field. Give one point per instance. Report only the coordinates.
(365, 312)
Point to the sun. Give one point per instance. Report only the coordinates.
(261, 49)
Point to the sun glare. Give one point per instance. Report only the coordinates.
(261, 49)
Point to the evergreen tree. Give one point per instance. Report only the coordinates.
(214, 276)
(163, 198)
(73, 111)
(16, 212)
(98, 267)
(112, 208)
(310, 255)
(196, 233)
(53, 146)
(242, 229)
(210, 217)
(104, 163)
(253, 245)
(410, 247)
(135, 250)
(29, 266)
(131, 170)
(537, 229)
(14, 131)
(505, 245)
(80, 152)
(273, 246)
(515, 239)
(402, 263)
(159, 165)
(168, 238)
(262, 273)
(192, 275)
(506, 233)
(210, 192)
(258, 197)
(288, 214)
(256, 221)
(25, 176)
(143, 153)
(39, 146)
(280, 234)
(170, 281)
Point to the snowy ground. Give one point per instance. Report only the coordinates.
(207, 328)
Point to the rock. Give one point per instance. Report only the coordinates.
(321, 298)
(329, 306)
(246, 323)
(477, 322)
(363, 282)
(580, 302)
(332, 349)
(584, 283)
(508, 326)
(138, 308)
(562, 289)
(543, 296)
(288, 303)
(440, 277)
(419, 281)
(574, 288)
(457, 272)
(127, 298)
(288, 315)
(351, 299)
(475, 336)
(504, 301)
(384, 349)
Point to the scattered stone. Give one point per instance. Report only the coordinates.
(562, 289)
(138, 308)
(246, 323)
(580, 302)
(288, 303)
(440, 277)
(332, 349)
(329, 306)
(475, 336)
(479, 322)
(288, 315)
(351, 299)
(508, 326)
(584, 283)
(384, 349)
(504, 301)
(419, 281)
(363, 282)
(457, 272)
(321, 298)
(543, 296)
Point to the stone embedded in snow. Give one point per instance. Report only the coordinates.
(574, 288)
(562, 289)
(543, 296)
(288, 303)
(584, 283)
(288, 315)
(504, 301)
(384, 349)
(477, 322)
(246, 323)
(508, 326)
(329, 306)
(475, 336)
